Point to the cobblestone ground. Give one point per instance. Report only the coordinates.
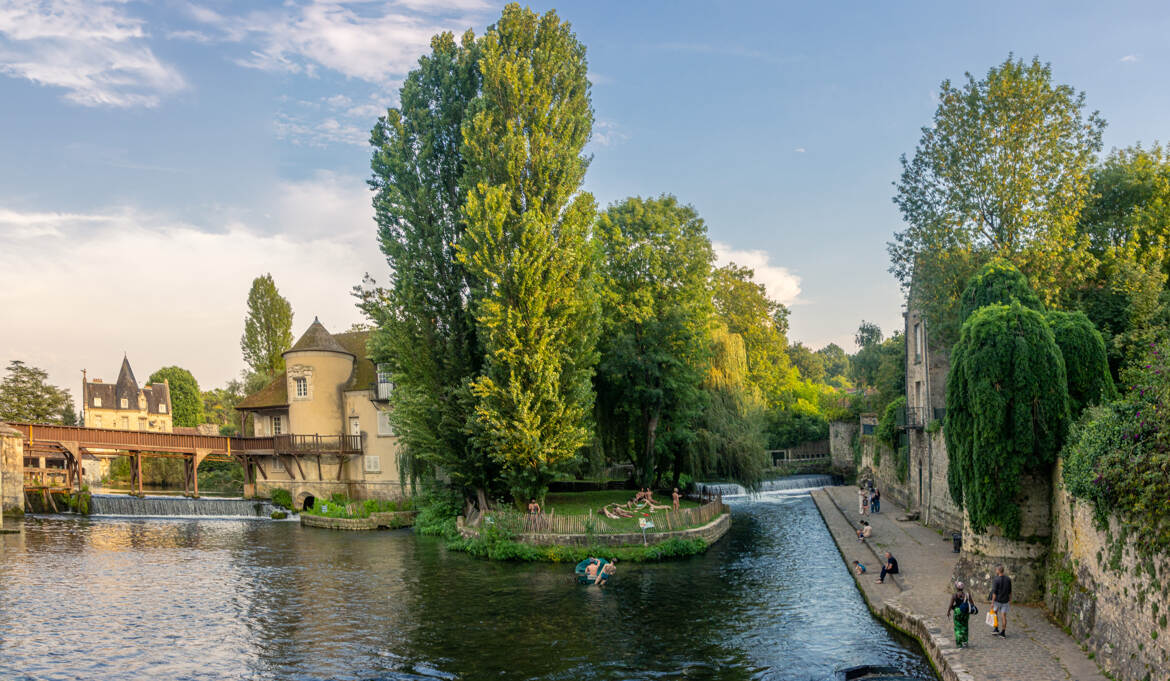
(1034, 650)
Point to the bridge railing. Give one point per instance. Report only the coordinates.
(150, 441)
(314, 444)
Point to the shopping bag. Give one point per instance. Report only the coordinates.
(991, 621)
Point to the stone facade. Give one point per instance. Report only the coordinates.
(1109, 597)
(389, 520)
(122, 405)
(841, 437)
(710, 533)
(11, 471)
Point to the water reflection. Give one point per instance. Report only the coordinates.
(221, 599)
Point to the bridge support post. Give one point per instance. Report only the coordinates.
(196, 459)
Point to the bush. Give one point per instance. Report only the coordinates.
(510, 550)
(282, 498)
(279, 515)
(887, 427)
(438, 507)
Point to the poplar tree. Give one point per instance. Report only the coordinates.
(527, 243)
(267, 328)
(425, 329)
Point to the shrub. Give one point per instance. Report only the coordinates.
(887, 427)
(437, 509)
(279, 515)
(1086, 363)
(282, 498)
(997, 283)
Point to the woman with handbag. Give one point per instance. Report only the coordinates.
(960, 610)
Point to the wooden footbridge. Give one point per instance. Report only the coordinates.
(54, 455)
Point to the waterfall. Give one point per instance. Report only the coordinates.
(181, 507)
(792, 484)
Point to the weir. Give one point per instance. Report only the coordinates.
(791, 483)
(178, 507)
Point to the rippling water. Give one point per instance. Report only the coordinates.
(220, 599)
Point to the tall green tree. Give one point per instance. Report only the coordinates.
(1000, 282)
(810, 365)
(267, 327)
(27, 396)
(656, 265)
(1086, 364)
(1003, 171)
(1007, 411)
(186, 399)
(836, 364)
(527, 243)
(426, 331)
(744, 307)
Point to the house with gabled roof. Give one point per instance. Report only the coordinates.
(122, 405)
(329, 415)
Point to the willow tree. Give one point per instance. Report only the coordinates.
(744, 306)
(731, 443)
(1086, 363)
(997, 282)
(527, 244)
(1002, 171)
(656, 267)
(425, 329)
(1007, 411)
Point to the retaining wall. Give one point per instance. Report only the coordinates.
(11, 471)
(383, 520)
(841, 434)
(1110, 597)
(710, 533)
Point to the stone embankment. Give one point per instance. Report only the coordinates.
(916, 601)
(710, 533)
(384, 520)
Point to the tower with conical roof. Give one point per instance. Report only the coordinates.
(317, 369)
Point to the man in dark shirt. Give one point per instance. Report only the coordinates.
(1000, 597)
(890, 568)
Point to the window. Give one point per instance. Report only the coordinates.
(373, 463)
(125, 403)
(97, 401)
(276, 425)
(97, 421)
(384, 426)
(302, 386)
(141, 423)
(125, 423)
(162, 408)
(384, 384)
(867, 429)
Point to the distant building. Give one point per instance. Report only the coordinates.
(122, 405)
(330, 388)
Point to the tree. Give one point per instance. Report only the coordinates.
(267, 328)
(186, 399)
(810, 365)
(655, 346)
(426, 331)
(744, 306)
(1003, 171)
(1086, 364)
(1007, 411)
(867, 334)
(997, 282)
(27, 397)
(527, 243)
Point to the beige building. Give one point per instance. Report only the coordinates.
(329, 388)
(122, 405)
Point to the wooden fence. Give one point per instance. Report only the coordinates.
(664, 521)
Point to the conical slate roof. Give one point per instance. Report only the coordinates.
(126, 387)
(317, 339)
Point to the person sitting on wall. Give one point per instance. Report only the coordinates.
(859, 568)
(890, 568)
(865, 531)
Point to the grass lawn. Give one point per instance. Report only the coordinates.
(580, 503)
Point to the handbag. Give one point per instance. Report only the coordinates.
(971, 604)
(991, 621)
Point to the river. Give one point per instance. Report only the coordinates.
(124, 598)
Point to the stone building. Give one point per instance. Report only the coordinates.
(329, 388)
(122, 405)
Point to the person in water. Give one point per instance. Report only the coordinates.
(960, 610)
(606, 573)
(676, 496)
(591, 570)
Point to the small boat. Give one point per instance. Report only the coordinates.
(582, 578)
(867, 672)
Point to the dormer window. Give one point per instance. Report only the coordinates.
(302, 386)
(162, 408)
(97, 401)
(125, 403)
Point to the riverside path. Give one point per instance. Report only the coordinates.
(916, 600)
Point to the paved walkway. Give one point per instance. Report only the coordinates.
(916, 601)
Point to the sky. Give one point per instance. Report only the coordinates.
(156, 156)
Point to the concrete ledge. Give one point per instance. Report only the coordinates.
(710, 533)
(388, 520)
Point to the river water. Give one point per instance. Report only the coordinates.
(125, 598)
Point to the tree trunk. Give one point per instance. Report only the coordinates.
(649, 458)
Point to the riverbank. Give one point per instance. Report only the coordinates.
(915, 601)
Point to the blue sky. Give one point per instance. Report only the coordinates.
(158, 155)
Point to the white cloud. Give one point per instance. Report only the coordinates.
(782, 286)
(607, 133)
(350, 38)
(84, 287)
(94, 50)
(1129, 58)
(320, 133)
(799, 150)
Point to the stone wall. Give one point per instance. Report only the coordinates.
(710, 533)
(1110, 597)
(925, 487)
(11, 470)
(323, 489)
(383, 520)
(841, 435)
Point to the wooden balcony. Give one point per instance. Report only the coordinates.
(317, 444)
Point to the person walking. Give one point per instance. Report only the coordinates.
(862, 502)
(960, 610)
(875, 501)
(1000, 597)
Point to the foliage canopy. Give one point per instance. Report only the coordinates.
(186, 399)
(267, 327)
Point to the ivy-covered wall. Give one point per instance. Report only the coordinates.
(1111, 597)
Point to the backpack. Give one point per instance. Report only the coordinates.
(967, 607)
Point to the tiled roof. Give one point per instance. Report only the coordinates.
(317, 338)
(364, 373)
(275, 394)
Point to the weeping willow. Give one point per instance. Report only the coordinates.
(998, 282)
(1086, 362)
(1007, 411)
